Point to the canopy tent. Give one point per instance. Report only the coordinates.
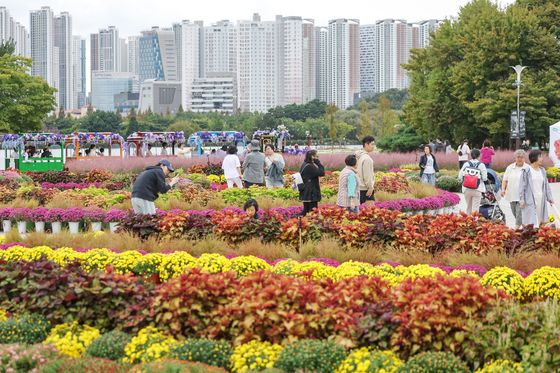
(554, 147)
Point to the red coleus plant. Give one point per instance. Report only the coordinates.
(431, 312)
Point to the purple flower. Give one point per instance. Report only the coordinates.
(5, 213)
(19, 214)
(474, 268)
(326, 261)
(38, 214)
(93, 214)
(74, 214)
(115, 216)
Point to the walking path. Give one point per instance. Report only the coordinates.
(504, 205)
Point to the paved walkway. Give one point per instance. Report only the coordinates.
(504, 205)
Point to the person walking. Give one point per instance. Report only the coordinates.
(486, 153)
(510, 185)
(149, 184)
(366, 174)
(348, 196)
(253, 166)
(534, 192)
(463, 151)
(428, 166)
(232, 168)
(183, 151)
(473, 174)
(310, 171)
(274, 167)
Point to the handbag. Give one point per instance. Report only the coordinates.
(556, 214)
(297, 179)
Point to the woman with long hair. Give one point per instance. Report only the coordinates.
(428, 166)
(310, 171)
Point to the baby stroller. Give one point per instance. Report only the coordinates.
(489, 206)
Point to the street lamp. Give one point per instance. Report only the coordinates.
(518, 70)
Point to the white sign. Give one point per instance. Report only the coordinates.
(554, 152)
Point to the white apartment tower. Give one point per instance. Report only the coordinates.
(321, 64)
(368, 60)
(257, 65)
(343, 62)
(190, 60)
(132, 54)
(220, 48)
(42, 44)
(79, 71)
(393, 44)
(63, 44)
(124, 55)
(425, 29)
(6, 22)
(178, 31)
(109, 49)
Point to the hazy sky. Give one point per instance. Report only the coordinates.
(133, 16)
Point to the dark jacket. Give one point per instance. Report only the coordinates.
(149, 184)
(424, 160)
(310, 173)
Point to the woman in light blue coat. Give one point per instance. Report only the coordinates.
(534, 192)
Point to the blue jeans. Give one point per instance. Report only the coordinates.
(429, 179)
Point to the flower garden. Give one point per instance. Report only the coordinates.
(408, 284)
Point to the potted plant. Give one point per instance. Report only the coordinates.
(20, 215)
(95, 216)
(54, 216)
(38, 215)
(73, 216)
(114, 217)
(5, 216)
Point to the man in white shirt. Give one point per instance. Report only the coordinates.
(463, 151)
(510, 185)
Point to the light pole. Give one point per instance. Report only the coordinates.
(518, 70)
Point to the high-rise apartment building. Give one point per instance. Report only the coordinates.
(214, 93)
(291, 84)
(133, 48)
(106, 53)
(63, 44)
(15, 31)
(42, 44)
(79, 71)
(321, 64)
(425, 29)
(178, 31)
(106, 84)
(368, 60)
(343, 62)
(124, 55)
(257, 65)
(157, 55)
(220, 48)
(394, 41)
(190, 59)
(309, 60)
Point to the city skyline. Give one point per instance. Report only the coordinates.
(132, 17)
(270, 62)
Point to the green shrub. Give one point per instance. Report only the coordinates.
(314, 355)
(175, 366)
(449, 183)
(83, 365)
(519, 332)
(214, 353)
(434, 362)
(406, 139)
(109, 346)
(27, 329)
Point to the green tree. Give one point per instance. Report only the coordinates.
(133, 125)
(462, 84)
(331, 120)
(25, 100)
(101, 121)
(404, 140)
(385, 118)
(365, 120)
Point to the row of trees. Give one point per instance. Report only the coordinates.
(323, 122)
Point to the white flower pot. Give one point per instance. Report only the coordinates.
(113, 226)
(22, 227)
(74, 227)
(39, 226)
(6, 226)
(56, 227)
(96, 226)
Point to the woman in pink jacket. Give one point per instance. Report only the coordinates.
(486, 153)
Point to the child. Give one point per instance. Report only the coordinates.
(348, 193)
(251, 208)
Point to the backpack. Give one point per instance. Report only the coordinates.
(472, 176)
